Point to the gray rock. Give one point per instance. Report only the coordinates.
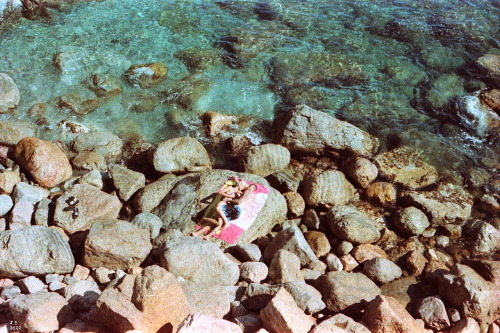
(333, 262)
(258, 295)
(246, 252)
(311, 219)
(30, 285)
(292, 240)
(52, 277)
(43, 212)
(340, 323)
(285, 181)
(411, 221)
(306, 296)
(93, 178)
(207, 299)
(104, 143)
(9, 93)
(308, 131)
(82, 295)
(361, 171)
(180, 155)
(29, 193)
(185, 255)
(149, 197)
(381, 270)
(433, 312)
(149, 222)
(104, 275)
(447, 204)
(404, 166)
(344, 247)
(6, 204)
(117, 312)
(41, 311)
(93, 205)
(482, 237)
(346, 292)
(10, 292)
(55, 286)
(34, 250)
(329, 188)
(266, 159)
(466, 290)
(21, 215)
(193, 192)
(165, 237)
(348, 223)
(285, 267)
(126, 181)
(115, 244)
(12, 131)
(453, 314)
(253, 271)
(466, 325)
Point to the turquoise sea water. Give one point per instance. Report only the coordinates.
(393, 68)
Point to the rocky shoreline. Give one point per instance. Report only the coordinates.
(350, 240)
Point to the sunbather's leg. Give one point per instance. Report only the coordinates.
(206, 220)
(214, 230)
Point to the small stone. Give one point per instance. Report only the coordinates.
(361, 171)
(56, 285)
(454, 315)
(318, 242)
(414, 262)
(8, 179)
(381, 193)
(216, 122)
(350, 224)
(364, 252)
(180, 155)
(253, 271)
(92, 178)
(340, 323)
(381, 270)
(311, 219)
(104, 85)
(9, 93)
(126, 181)
(348, 262)
(333, 262)
(89, 160)
(29, 193)
(433, 312)
(52, 277)
(249, 323)
(104, 275)
(285, 267)
(296, 204)
(202, 323)
(11, 131)
(246, 252)
(21, 215)
(442, 241)
(82, 295)
(9, 292)
(6, 204)
(80, 272)
(306, 296)
(344, 247)
(326, 189)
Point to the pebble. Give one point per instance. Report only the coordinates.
(253, 271)
(344, 247)
(348, 262)
(333, 262)
(31, 285)
(381, 270)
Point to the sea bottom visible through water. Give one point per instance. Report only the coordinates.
(394, 68)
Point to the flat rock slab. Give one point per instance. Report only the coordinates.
(199, 261)
(308, 131)
(404, 166)
(35, 250)
(116, 244)
(93, 205)
(448, 204)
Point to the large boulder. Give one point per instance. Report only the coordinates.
(192, 193)
(9, 93)
(116, 244)
(329, 188)
(447, 204)
(160, 297)
(11, 131)
(384, 314)
(184, 256)
(44, 161)
(41, 311)
(466, 290)
(180, 155)
(343, 291)
(266, 159)
(311, 132)
(35, 250)
(93, 205)
(104, 143)
(350, 224)
(404, 166)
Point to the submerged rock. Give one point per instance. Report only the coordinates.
(12, 131)
(404, 166)
(146, 75)
(311, 132)
(477, 117)
(9, 93)
(104, 143)
(44, 161)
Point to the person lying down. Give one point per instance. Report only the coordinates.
(234, 195)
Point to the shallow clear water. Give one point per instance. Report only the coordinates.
(373, 63)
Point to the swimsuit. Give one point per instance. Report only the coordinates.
(232, 212)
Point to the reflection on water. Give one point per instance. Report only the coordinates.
(394, 68)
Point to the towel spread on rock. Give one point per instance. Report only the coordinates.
(246, 217)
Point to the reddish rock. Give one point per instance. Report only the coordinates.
(492, 99)
(381, 193)
(433, 312)
(385, 315)
(348, 262)
(361, 171)
(201, 323)
(44, 161)
(366, 252)
(318, 242)
(466, 325)
(282, 314)
(340, 323)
